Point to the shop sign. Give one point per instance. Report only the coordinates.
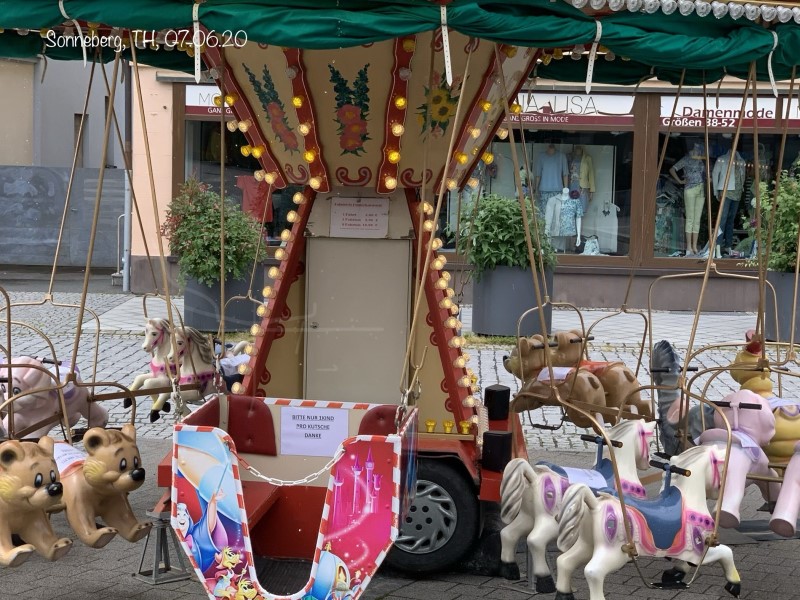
(543, 108)
(723, 112)
(200, 101)
(792, 111)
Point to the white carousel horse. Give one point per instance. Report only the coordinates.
(31, 408)
(157, 343)
(196, 359)
(784, 517)
(675, 525)
(531, 497)
(751, 430)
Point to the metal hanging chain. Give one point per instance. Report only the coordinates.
(284, 482)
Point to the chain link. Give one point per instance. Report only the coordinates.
(282, 482)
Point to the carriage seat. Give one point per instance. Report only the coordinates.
(379, 420)
(663, 515)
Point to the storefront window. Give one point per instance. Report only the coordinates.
(203, 162)
(593, 218)
(682, 205)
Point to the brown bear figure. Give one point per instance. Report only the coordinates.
(29, 489)
(97, 485)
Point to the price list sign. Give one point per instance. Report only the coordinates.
(360, 217)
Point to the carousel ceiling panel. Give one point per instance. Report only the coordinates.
(377, 115)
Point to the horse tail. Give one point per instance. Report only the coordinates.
(570, 517)
(518, 476)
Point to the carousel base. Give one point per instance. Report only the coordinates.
(282, 577)
(162, 571)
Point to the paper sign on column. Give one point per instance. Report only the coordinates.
(360, 217)
(312, 431)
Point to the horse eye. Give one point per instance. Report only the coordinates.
(38, 480)
(52, 476)
(123, 464)
(15, 391)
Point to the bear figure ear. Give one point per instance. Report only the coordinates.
(95, 438)
(129, 431)
(524, 345)
(10, 452)
(47, 444)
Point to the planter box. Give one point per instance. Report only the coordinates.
(500, 298)
(201, 307)
(784, 292)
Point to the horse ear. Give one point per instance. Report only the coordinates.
(10, 452)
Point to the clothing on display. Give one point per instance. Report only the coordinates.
(563, 217)
(550, 175)
(729, 195)
(694, 194)
(581, 175)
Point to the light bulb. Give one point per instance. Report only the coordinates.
(474, 418)
(292, 216)
(268, 292)
(502, 133)
(390, 182)
(445, 303)
(398, 129)
(393, 156)
(255, 329)
(262, 310)
(510, 51)
(475, 132)
(454, 309)
(249, 349)
(245, 150)
(280, 254)
(436, 243)
(217, 100)
(315, 183)
(304, 129)
(309, 156)
(459, 362)
(237, 388)
(515, 108)
(274, 273)
(260, 175)
(468, 402)
(427, 226)
(450, 292)
(451, 323)
(400, 102)
(488, 158)
(446, 276)
(427, 208)
(452, 184)
(473, 183)
(558, 54)
(230, 99)
(232, 126)
(461, 158)
(485, 105)
(466, 356)
(244, 369)
(441, 284)
(245, 125)
(438, 263)
(270, 177)
(298, 198)
(286, 235)
(297, 101)
(463, 381)
(409, 44)
(257, 152)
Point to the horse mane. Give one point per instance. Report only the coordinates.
(201, 341)
(161, 325)
(690, 456)
(622, 427)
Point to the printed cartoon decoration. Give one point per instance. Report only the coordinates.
(96, 486)
(29, 490)
(352, 110)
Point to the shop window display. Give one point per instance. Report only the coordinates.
(581, 185)
(682, 206)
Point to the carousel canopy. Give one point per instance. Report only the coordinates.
(664, 36)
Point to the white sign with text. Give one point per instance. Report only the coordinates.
(360, 217)
(312, 431)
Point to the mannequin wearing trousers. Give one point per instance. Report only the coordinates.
(694, 192)
(563, 218)
(550, 176)
(729, 195)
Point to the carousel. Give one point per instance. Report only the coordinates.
(358, 432)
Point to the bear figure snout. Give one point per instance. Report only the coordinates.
(137, 474)
(55, 489)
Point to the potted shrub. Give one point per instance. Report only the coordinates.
(782, 254)
(494, 244)
(192, 226)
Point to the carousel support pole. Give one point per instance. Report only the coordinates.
(162, 571)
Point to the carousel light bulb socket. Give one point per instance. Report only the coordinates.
(448, 426)
(270, 177)
(245, 125)
(287, 235)
(427, 208)
(297, 101)
(304, 129)
(398, 129)
(309, 156)
(280, 254)
(438, 263)
(457, 342)
(268, 292)
(315, 183)
(454, 310)
(230, 99)
(400, 102)
(249, 349)
(440, 284)
(244, 369)
(468, 402)
(464, 426)
(452, 323)
(515, 108)
(436, 243)
(390, 182)
(460, 157)
(485, 105)
(255, 330)
(237, 388)
(246, 150)
(502, 133)
(292, 216)
(459, 362)
(473, 183)
(452, 184)
(260, 175)
(298, 198)
(445, 303)
(475, 132)
(262, 310)
(232, 126)
(393, 156)
(257, 152)
(427, 226)
(274, 273)
(487, 157)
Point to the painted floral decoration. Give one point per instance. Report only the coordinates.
(273, 107)
(352, 110)
(441, 101)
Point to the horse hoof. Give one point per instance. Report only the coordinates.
(167, 407)
(154, 416)
(734, 589)
(672, 576)
(126, 403)
(564, 596)
(545, 585)
(509, 571)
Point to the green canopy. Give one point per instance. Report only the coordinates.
(662, 45)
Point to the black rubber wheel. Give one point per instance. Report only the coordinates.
(442, 523)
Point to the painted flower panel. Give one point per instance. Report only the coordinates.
(352, 110)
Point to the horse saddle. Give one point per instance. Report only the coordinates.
(663, 515)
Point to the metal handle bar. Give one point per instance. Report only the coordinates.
(665, 466)
(748, 405)
(578, 340)
(599, 440)
(666, 370)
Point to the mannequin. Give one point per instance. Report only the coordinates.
(523, 177)
(550, 176)
(563, 219)
(694, 192)
(581, 175)
(729, 195)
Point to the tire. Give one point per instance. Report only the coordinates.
(439, 543)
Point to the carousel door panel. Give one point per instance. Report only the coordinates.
(357, 299)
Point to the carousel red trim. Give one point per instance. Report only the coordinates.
(243, 111)
(305, 114)
(443, 334)
(404, 49)
(271, 327)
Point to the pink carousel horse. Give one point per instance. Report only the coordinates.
(752, 427)
(196, 359)
(531, 497)
(156, 343)
(675, 525)
(32, 408)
